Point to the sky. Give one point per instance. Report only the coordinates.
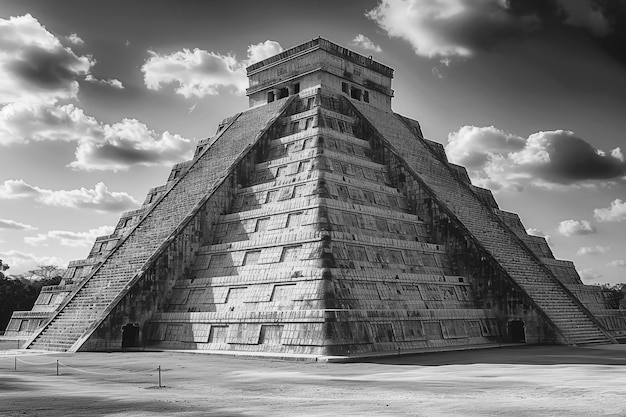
(99, 99)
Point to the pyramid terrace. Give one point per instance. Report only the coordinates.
(318, 223)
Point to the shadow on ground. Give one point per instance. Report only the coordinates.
(80, 405)
(515, 355)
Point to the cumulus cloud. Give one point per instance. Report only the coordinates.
(128, 143)
(197, 72)
(75, 39)
(99, 146)
(615, 213)
(497, 159)
(98, 198)
(11, 224)
(364, 42)
(588, 274)
(262, 50)
(617, 263)
(111, 82)
(68, 238)
(37, 71)
(595, 250)
(34, 65)
(539, 233)
(460, 28)
(575, 228)
(20, 262)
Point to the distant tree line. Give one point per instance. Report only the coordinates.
(19, 292)
(615, 295)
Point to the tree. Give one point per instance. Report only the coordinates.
(614, 295)
(45, 272)
(18, 293)
(3, 267)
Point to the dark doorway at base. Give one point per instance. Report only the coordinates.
(130, 333)
(517, 331)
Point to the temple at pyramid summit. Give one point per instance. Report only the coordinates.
(318, 223)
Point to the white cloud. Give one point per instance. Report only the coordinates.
(617, 154)
(497, 159)
(37, 71)
(11, 224)
(68, 238)
(20, 262)
(537, 232)
(34, 66)
(449, 28)
(115, 147)
(99, 198)
(25, 122)
(364, 42)
(575, 227)
(75, 39)
(617, 263)
(129, 143)
(460, 28)
(111, 82)
(615, 213)
(261, 51)
(197, 73)
(595, 250)
(588, 274)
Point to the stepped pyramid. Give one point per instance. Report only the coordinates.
(319, 222)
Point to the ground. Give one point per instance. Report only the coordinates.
(511, 381)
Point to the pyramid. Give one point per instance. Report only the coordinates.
(319, 222)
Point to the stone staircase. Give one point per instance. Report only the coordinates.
(576, 324)
(85, 309)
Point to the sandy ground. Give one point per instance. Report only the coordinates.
(511, 381)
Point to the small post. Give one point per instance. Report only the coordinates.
(57, 367)
(159, 368)
(15, 364)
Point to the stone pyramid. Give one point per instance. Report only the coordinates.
(319, 222)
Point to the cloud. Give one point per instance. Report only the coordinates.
(34, 65)
(11, 224)
(75, 39)
(111, 82)
(575, 228)
(197, 72)
(21, 262)
(99, 198)
(617, 263)
(500, 160)
(615, 213)
(539, 233)
(99, 146)
(449, 28)
(364, 42)
(596, 250)
(25, 122)
(588, 274)
(37, 71)
(535, 232)
(130, 143)
(67, 238)
(261, 51)
(460, 28)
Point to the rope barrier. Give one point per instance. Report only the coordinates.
(109, 374)
(33, 363)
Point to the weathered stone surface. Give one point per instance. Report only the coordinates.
(319, 224)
